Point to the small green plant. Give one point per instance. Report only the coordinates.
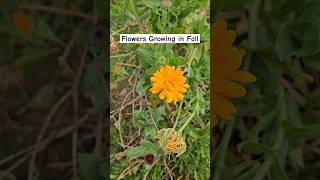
(156, 134)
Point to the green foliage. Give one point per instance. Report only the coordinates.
(145, 148)
(91, 167)
(43, 65)
(149, 117)
(196, 161)
(277, 120)
(94, 84)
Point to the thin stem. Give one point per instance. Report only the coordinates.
(264, 168)
(146, 175)
(151, 114)
(269, 159)
(136, 16)
(252, 35)
(222, 150)
(121, 55)
(187, 122)
(178, 114)
(120, 119)
(190, 61)
(57, 10)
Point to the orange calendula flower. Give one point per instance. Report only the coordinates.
(21, 21)
(226, 61)
(170, 82)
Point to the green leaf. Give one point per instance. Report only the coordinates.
(147, 56)
(145, 148)
(98, 97)
(90, 166)
(93, 83)
(150, 71)
(199, 120)
(20, 36)
(191, 131)
(284, 45)
(185, 8)
(158, 113)
(311, 131)
(236, 170)
(249, 173)
(140, 88)
(310, 40)
(28, 59)
(100, 7)
(295, 156)
(152, 3)
(150, 131)
(278, 173)
(43, 30)
(103, 169)
(254, 147)
(266, 119)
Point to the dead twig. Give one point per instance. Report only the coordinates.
(120, 119)
(62, 59)
(99, 136)
(15, 155)
(168, 169)
(151, 113)
(124, 106)
(57, 10)
(129, 65)
(38, 146)
(45, 125)
(75, 98)
(60, 165)
(131, 166)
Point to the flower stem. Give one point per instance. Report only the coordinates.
(190, 60)
(121, 55)
(252, 34)
(178, 115)
(187, 122)
(136, 16)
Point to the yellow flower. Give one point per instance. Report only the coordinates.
(21, 21)
(116, 69)
(75, 7)
(171, 141)
(170, 82)
(226, 60)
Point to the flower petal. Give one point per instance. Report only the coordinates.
(218, 27)
(226, 61)
(21, 21)
(162, 94)
(228, 88)
(223, 107)
(221, 35)
(242, 76)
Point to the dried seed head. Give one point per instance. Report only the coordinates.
(114, 46)
(166, 3)
(171, 141)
